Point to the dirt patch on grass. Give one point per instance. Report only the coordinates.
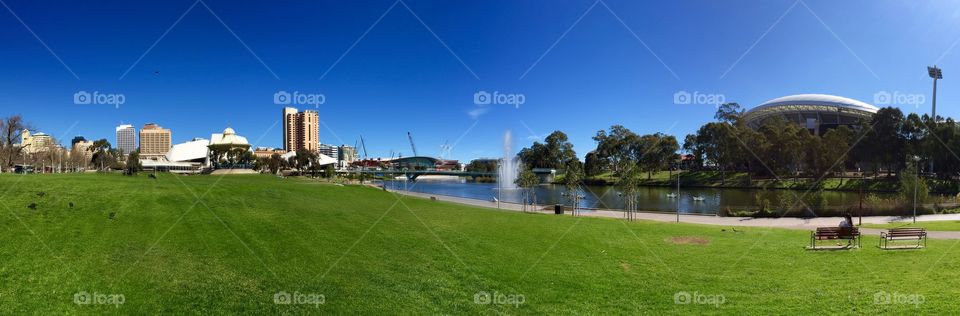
(625, 266)
(688, 240)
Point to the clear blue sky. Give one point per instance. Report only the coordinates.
(578, 72)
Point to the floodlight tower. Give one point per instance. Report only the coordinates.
(934, 73)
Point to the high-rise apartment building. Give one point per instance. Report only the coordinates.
(126, 139)
(154, 142)
(301, 130)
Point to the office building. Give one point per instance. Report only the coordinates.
(126, 140)
(347, 153)
(82, 147)
(300, 130)
(154, 142)
(34, 143)
(330, 150)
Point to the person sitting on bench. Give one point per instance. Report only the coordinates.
(847, 222)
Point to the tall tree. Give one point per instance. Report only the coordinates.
(12, 128)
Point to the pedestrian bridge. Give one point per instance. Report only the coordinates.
(413, 174)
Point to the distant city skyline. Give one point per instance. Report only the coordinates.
(457, 77)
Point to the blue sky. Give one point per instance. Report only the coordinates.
(581, 66)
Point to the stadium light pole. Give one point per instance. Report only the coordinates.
(936, 74)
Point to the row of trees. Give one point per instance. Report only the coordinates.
(304, 161)
(778, 148)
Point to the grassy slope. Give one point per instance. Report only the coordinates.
(261, 235)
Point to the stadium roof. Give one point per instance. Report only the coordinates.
(819, 99)
(807, 103)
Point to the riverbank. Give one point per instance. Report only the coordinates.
(782, 222)
(741, 180)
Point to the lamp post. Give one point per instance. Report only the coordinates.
(915, 185)
(678, 196)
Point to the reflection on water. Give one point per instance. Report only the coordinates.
(650, 198)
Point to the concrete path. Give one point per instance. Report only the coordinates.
(785, 222)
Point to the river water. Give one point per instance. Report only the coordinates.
(607, 197)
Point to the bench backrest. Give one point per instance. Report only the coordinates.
(838, 231)
(906, 231)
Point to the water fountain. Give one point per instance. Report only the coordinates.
(509, 166)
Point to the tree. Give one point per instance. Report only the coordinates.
(911, 184)
(482, 165)
(274, 163)
(628, 183)
(616, 148)
(303, 159)
(329, 173)
(553, 153)
(593, 164)
(729, 113)
(528, 181)
(12, 129)
(573, 174)
(103, 155)
(836, 145)
(883, 144)
(691, 147)
(133, 164)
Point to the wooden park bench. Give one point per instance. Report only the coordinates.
(903, 233)
(833, 233)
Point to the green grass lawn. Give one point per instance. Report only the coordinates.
(933, 226)
(369, 252)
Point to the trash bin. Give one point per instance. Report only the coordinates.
(558, 209)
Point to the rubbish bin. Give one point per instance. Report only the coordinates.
(558, 209)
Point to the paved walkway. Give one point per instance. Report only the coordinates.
(785, 222)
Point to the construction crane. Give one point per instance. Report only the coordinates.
(412, 146)
(363, 165)
(364, 147)
(445, 150)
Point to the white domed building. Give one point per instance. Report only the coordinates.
(816, 112)
(229, 150)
